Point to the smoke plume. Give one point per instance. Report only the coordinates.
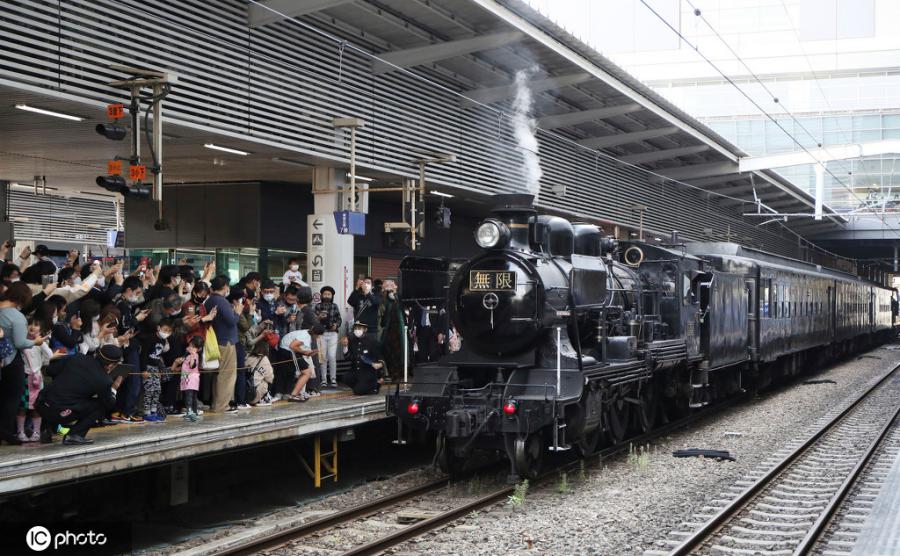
(523, 128)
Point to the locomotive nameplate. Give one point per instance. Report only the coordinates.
(492, 280)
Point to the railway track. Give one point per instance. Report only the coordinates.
(390, 504)
(789, 508)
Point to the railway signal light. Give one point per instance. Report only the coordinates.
(114, 132)
(510, 408)
(442, 218)
(413, 407)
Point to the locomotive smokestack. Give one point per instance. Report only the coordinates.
(516, 211)
(675, 239)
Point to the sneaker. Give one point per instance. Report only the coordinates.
(109, 422)
(192, 417)
(35, 437)
(71, 439)
(200, 411)
(278, 397)
(154, 418)
(23, 437)
(263, 402)
(119, 417)
(135, 419)
(61, 430)
(243, 406)
(314, 394)
(300, 398)
(231, 411)
(176, 412)
(332, 383)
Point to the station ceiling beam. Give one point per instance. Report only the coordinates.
(488, 95)
(666, 154)
(715, 180)
(272, 10)
(417, 56)
(574, 118)
(697, 171)
(625, 138)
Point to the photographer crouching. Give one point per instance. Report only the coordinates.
(81, 393)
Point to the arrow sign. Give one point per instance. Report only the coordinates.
(317, 260)
(317, 223)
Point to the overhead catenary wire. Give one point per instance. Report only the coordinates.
(345, 45)
(753, 101)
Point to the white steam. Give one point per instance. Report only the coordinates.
(523, 128)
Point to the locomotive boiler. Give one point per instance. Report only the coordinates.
(571, 338)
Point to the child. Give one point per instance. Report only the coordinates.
(67, 334)
(190, 378)
(34, 359)
(152, 349)
(293, 276)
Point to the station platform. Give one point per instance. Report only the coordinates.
(879, 534)
(125, 447)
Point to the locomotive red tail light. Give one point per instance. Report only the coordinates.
(412, 408)
(510, 408)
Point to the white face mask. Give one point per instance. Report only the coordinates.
(76, 282)
(175, 313)
(14, 280)
(101, 281)
(358, 332)
(295, 267)
(164, 335)
(55, 319)
(269, 296)
(367, 288)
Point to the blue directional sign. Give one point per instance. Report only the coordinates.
(348, 222)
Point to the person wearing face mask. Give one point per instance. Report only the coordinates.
(69, 290)
(129, 300)
(392, 331)
(196, 308)
(152, 350)
(167, 283)
(293, 276)
(365, 305)
(66, 334)
(10, 273)
(366, 366)
(266, 302)
(330, 318)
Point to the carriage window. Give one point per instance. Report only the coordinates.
(764, 299)
(774, 303)
(808, 301)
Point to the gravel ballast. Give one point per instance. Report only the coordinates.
(631, 503)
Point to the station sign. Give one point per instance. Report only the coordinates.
(348, 222)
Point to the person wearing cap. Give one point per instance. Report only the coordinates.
(43, 267)
(81, 393)
(366, 366)
(330, 318)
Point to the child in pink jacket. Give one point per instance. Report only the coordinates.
(190, 378)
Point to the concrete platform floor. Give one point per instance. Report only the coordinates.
(129, 446)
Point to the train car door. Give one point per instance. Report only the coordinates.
(701, 286)
(752, 319)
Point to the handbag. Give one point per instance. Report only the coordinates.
(211, 353)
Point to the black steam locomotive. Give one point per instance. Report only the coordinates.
(570, 338)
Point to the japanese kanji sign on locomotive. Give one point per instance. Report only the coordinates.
(487, 280)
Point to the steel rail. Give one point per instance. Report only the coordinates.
(289, 534)
(815, 532)
(718, 521)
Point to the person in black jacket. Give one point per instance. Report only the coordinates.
(366, 366)
(81, 393)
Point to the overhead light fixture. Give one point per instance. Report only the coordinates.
(36, 110)
(441, 194)
(360, 178)
(291, 162)
(225, 149)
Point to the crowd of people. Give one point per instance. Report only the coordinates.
(85, 344)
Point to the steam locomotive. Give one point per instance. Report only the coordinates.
(571, 338)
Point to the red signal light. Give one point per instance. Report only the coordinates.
(510, 408)
(412, 408)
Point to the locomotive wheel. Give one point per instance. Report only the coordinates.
(587, 444)
(648, 409)
(447, 461)
(618, 416)
(529, 456)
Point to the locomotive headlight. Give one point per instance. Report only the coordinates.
(490, 234)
